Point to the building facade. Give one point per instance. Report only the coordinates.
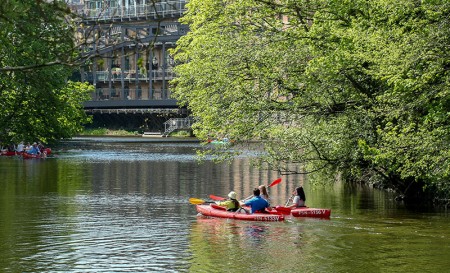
(126, 46)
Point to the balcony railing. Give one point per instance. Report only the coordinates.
(130, 75)
(156, 10)
(129, 94)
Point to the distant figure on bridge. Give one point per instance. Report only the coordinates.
(155, 63)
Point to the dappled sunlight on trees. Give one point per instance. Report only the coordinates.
(357, 87)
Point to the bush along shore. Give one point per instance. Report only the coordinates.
(108, 132)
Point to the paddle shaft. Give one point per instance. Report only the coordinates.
(275, 182)
(289, 200)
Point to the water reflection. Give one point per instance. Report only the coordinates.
(101, 233)
(122, 206)
(232, 246)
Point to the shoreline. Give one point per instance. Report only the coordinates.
(137, 138)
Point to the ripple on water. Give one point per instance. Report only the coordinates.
(102, 156)
(112, 233)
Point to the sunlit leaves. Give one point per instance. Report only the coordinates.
(37, 102)
(358, 86)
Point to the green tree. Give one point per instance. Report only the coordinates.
(355, 87)
(37, 49)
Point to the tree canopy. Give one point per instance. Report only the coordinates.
(355, 87)
(37, 46)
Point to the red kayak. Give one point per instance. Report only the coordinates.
(44, 154)
(28, 156)
(304, 212)
(8, 153)
(214, 210)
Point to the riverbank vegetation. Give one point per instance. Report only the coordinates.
(121, 132)
(37, 54)
(356, 88)
(108, 132)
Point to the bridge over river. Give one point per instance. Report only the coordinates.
(152, 117)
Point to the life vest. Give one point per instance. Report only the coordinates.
(236, 205)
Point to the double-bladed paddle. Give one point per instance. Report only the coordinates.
(196, 201)
(289, 200)
(218, 198)
(275, 182)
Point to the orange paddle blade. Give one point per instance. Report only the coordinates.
(275, 182)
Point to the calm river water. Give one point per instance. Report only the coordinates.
(121, 205)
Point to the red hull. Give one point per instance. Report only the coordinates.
(46, 151)
(305, 212)
(27, 156)
(213, 211)
(44, 154)
(9, 153)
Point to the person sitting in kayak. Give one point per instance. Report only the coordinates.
(232, 204)
(257, 203)
(264, 194)
(34, 150)
(20, 148)
(299, 198)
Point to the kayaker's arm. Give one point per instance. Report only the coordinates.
(242, 208)
(247, 198)
(288, 201)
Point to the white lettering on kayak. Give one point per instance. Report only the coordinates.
(317, 212)
(267, 218)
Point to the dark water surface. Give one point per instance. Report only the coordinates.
(121, 205)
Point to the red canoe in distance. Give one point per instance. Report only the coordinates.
(8, 153)
(28, 156)
(47, 151)
(44, 154)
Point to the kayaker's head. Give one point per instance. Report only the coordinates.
(232, 195)
(263, 190)
(256, 192)
(300, 192)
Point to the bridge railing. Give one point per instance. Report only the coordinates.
(174, 124)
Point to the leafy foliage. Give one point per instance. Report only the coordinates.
(360, 87)
(37, 102)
